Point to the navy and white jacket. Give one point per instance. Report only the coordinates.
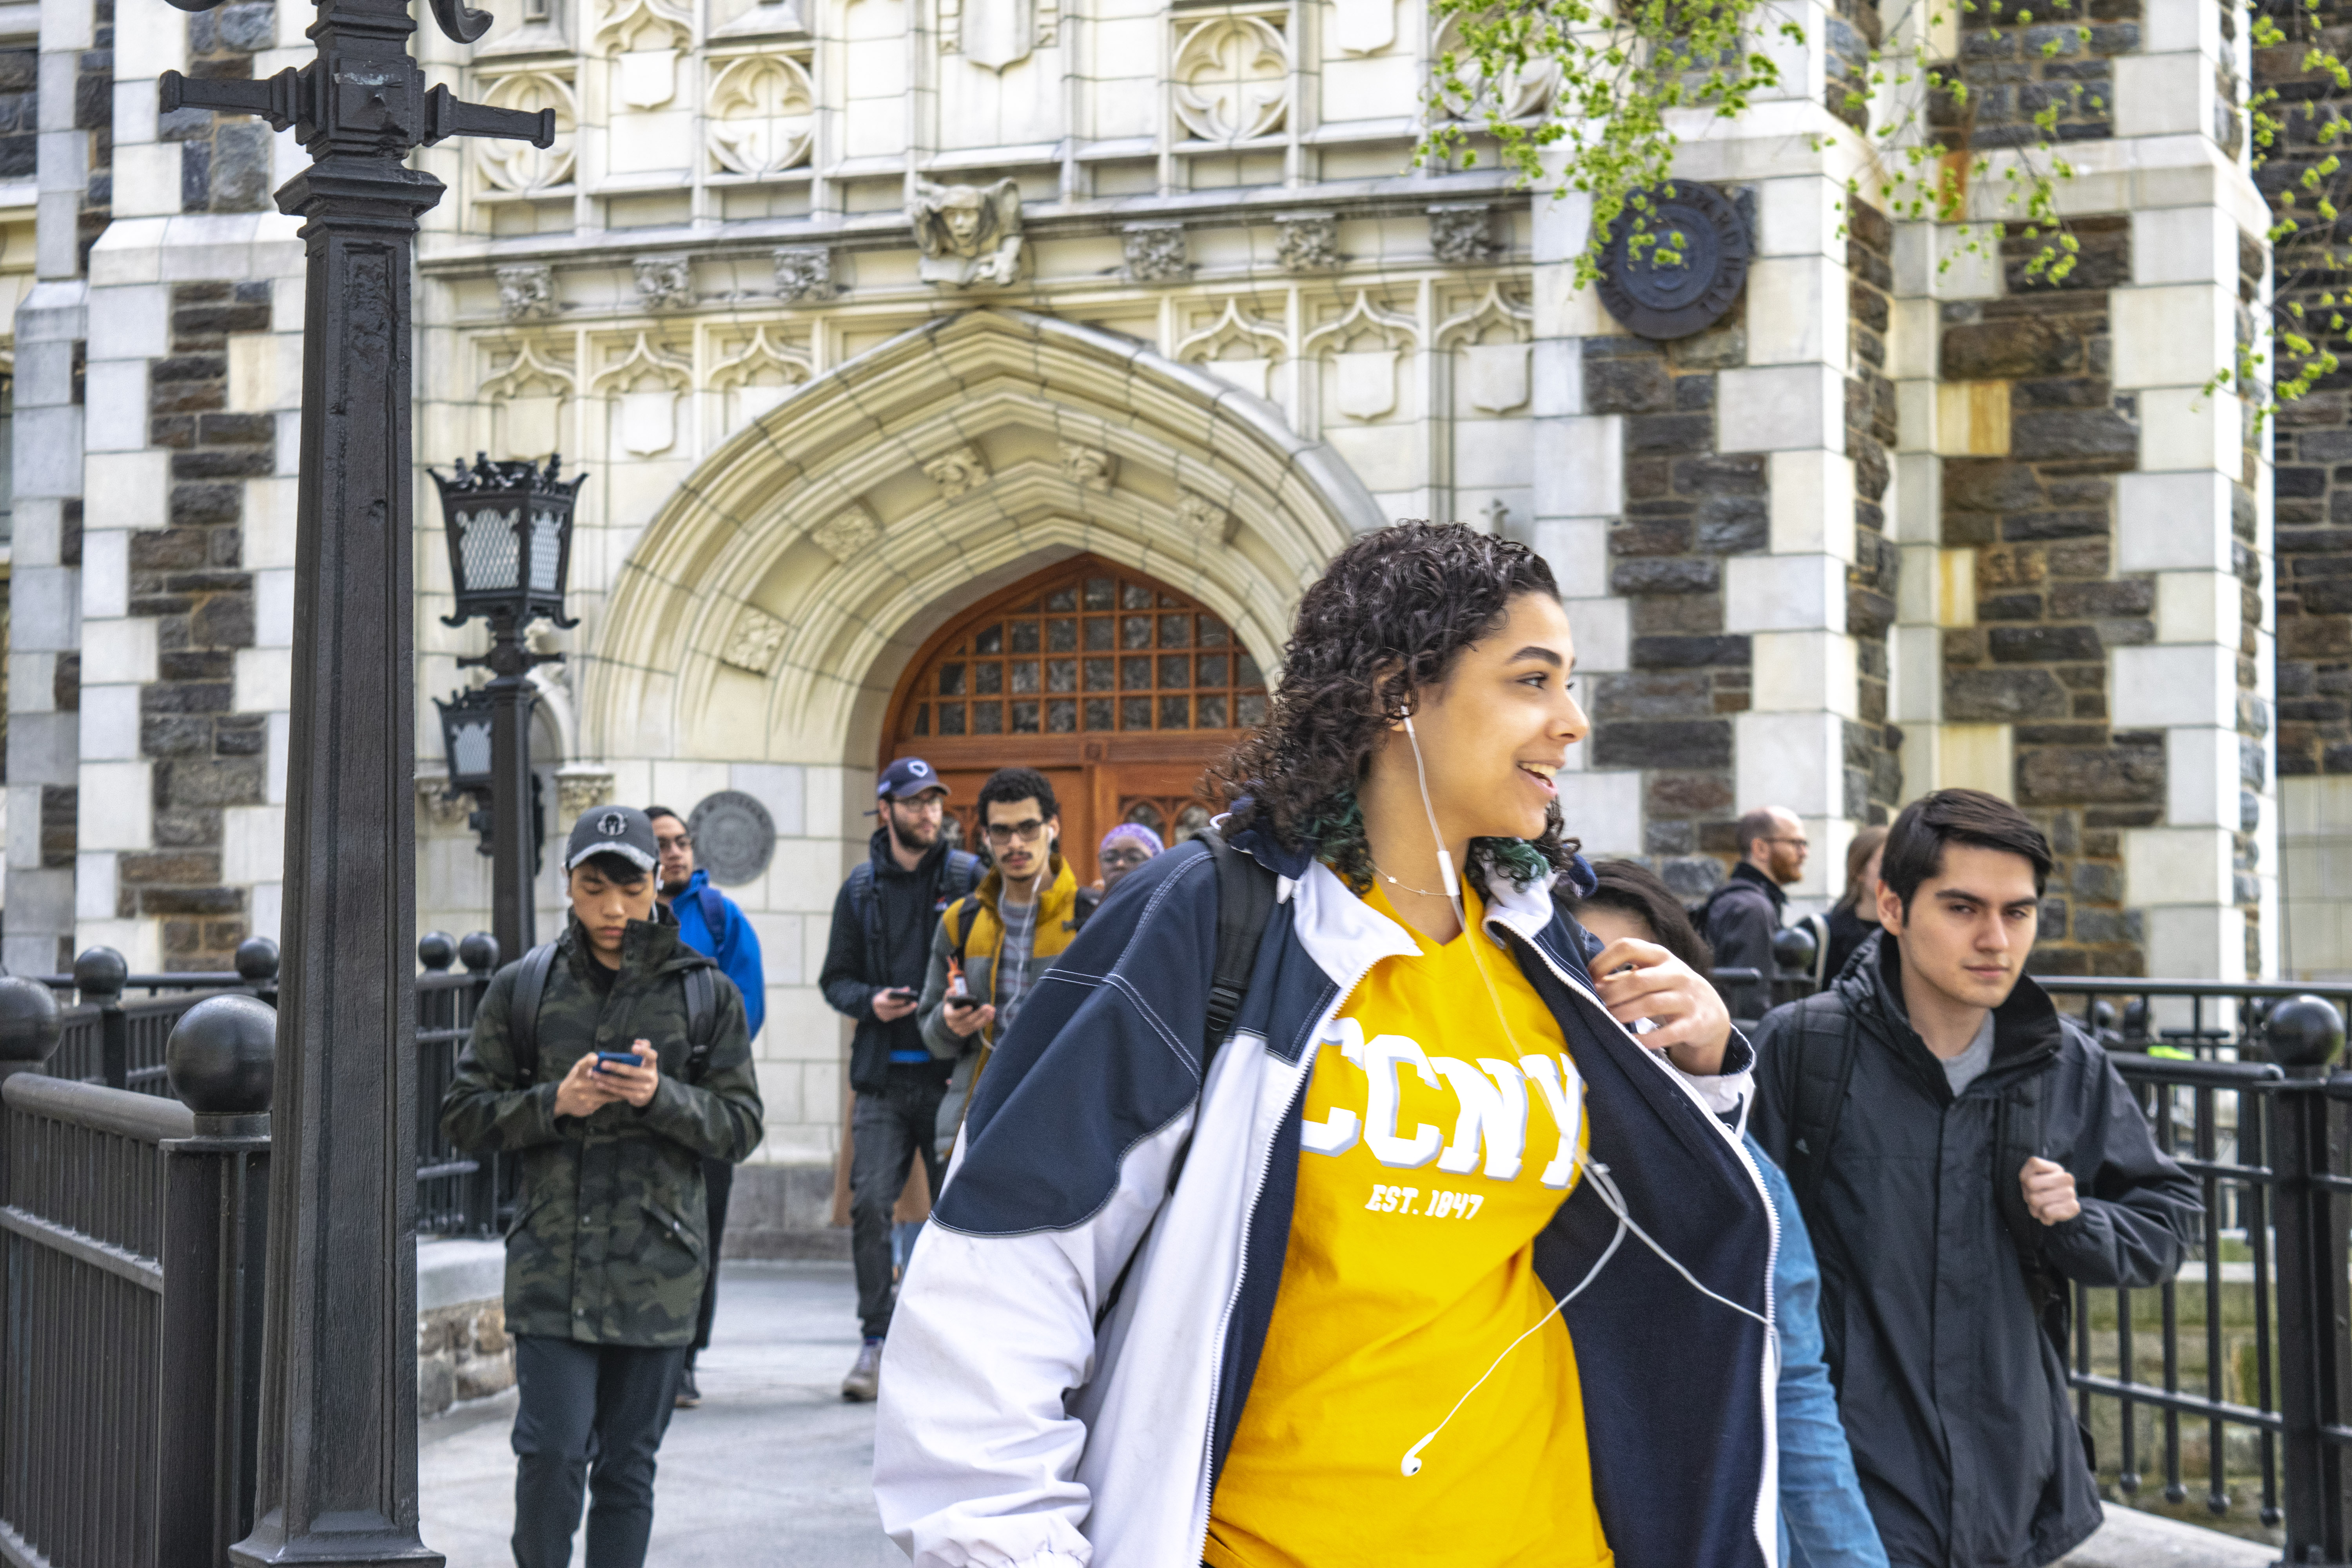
(1077, 1330)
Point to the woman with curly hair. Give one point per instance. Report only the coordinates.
(1447, 1254)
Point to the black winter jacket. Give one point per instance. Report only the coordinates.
(1953, 1396)
(1742, 917)
(885, 939)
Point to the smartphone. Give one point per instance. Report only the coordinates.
(902, 994)
(618, 1060)
(958, 1004)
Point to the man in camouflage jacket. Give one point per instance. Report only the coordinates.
(608, 1249)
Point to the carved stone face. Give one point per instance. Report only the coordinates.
(964, 222)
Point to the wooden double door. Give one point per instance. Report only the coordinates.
(1120, 690)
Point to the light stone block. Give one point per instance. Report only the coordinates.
(1805, 672)
(2169, 26)
(2201, 778)
(263, 679)
(781, 788)
(1796, 759)
(2178, 520)
(147, 178)
(2163, 686)
(2198, 606)
(132, 322)
(47, 448)
(1916, 667)
(1578, 553)
(2184, 245)
(2185, 427)
(804, 875)
(2177, 866)
(276, 728)
(1780, 408)
(126, 490)
(1783, 593)
(253, 844)
(1790, 315)
(105, 576)
(115, 805)
(1810, 508)
(134, 111)
(272, 508)
(94, 886)
(139, 941)
(1556, 377)
(1605, 810)
(1800, 216)
(273, 607)
(1914, 341)
(23, 826)
(110, 722)
(116, 412)
(265, 909)
(2174, 335)
(265, 372)
(2196, 944)
(1579, 468)
(2163, 95)
(1603, 629)
(1917, 512)
(1974, 756)
(782, 941)
(684, 784)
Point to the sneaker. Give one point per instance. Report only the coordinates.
(865, 1379)
(688, 1397)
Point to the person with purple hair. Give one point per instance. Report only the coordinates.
(1123, 849)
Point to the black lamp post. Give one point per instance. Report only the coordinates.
(509, 532)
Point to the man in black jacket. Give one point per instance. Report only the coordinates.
(1960, 1152)
(1743, 915)
(882, 923)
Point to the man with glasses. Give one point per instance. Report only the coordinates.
(990, 948)
(882, 923)
(1742, 916)
(712, 924)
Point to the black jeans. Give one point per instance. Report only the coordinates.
(718, 1181)
(887, 1131)
(592, 1417)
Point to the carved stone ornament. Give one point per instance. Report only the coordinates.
(734, 836)
(845, 535)
(957, 472)
(446, 807)
(1463, 233)
(584, 789)
(527, 291)
(968, 236)
(804, 274)
(1198, 513)
(1710, 236)
(1306, 242)
(752, 645)
(1155, 253)
(1084, 466)
(664, 282)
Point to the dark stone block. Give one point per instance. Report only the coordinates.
(1692, 878)
(209, 581)
(2124, 634)
(224, 620)
(1670, 838)
(1675, 614)
(150, 869)
(1647, 478)
(187, 396)
(2101, 434)
(2319, 541)
(2002, 695)
(2062, 735)
(1669, 433)
(1688, 653)
(1687, 795)
(1729, 525)
(192, 900)
(1689, 743)
(241, 463)
(1627, 387)
(2043, 645)
(20, 70)
(239, 738)
(2085, 775)
(1724, 474)
(1694, 394)
(2007, 350)
(165, 549)
(1867, 615)
(1645, 695)
(197, 174)
(65, 683)
(2053, 524)
(237, 430)
(195, 505)
(1651, 536)
(187, 367)
(1664, 576)
(2325, 446)
(185, 125)
(240, 178)
(1988, 484)
(2299, 481)
(175, 735)
(2080, 558)
(2060, 392)
(248, 28)
(185, 696)
(196, 666)
(226, 781)
(93, 101)
(185, 827)
(2009, 607)
(2092, 601)
(215, 320)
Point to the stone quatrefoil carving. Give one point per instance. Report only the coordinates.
(753, 644)
(957, 473)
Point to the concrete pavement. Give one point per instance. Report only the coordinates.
(773, 1468)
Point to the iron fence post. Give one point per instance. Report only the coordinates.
(99, 974)
(2313, 1301)
(215, 1233)
(480, 952)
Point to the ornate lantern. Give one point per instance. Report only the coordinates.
(510, 531)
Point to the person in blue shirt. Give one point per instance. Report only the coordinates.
(711, 924)
(1825, 1523)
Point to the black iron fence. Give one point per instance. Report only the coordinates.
(116, 1040)
(457, 1193)
(133, 1227)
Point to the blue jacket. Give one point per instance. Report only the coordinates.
(1077, 1330)
(1825, 1523)
(713, 924)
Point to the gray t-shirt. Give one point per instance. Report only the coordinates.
(1964, 1069)
(1014, 960)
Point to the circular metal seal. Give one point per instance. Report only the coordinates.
(734, 836)
(1688, 297)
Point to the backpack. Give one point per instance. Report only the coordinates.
(958, 878)
(1826, 1044)
(530, 990)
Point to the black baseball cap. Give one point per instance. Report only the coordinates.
(622, 830)
(907, 776)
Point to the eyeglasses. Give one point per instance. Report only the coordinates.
(682, 841)
(1007, 832)
(1800, 842)
(1123, 857)
(928, 803)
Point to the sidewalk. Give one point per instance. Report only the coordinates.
(773, 1468)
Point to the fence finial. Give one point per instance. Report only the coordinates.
(478, 952)
(2305, 1031)
(221, 1055)
(437, 950)
(100, 973)
(30, 1023)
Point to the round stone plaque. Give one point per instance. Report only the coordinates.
(1687, 296)
(734, 836)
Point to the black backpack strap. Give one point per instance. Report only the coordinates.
(1245, 903)
(964, 871)
(2016, 1138)
(523, 1012)
(966, 915)
(1826, 1044)
(701, 1018)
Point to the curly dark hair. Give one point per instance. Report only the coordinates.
(1389, 616)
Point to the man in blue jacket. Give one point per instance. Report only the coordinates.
(712, 924)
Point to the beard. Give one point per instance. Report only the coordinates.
(906, 840)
